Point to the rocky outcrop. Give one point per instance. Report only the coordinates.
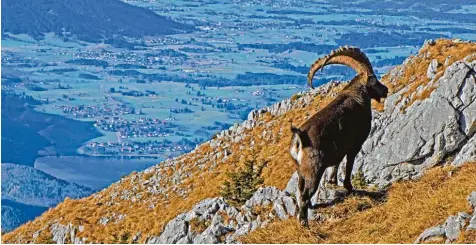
(453, 226)
(403, 144)
(61, 234)
(215, 221)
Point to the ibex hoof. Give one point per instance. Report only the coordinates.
(305, 223)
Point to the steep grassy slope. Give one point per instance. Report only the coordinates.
(412, 206)
(151, 198)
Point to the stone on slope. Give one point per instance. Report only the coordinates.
(432, 69)
(213, 212)
(467, 152)
(472, 199)
(173, 232)
(453, 225)
(472, 223)
(431, 233)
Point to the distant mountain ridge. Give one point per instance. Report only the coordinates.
(27, 185)
(27, 192)
(88, 20)
(15, 213)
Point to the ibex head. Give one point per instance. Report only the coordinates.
(299, 142)
(357, 60)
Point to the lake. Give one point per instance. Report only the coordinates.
(93, 172)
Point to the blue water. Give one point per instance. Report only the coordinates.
(93, 172)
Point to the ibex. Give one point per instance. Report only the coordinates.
(338, 130)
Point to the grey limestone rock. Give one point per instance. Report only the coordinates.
(432, 69)
(402, 145)
(454, 225)
(428, 234)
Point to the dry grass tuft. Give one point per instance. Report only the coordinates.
(286, 231)
(412, 206)
(468, 237)
(199, 225)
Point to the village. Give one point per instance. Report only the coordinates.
(142, 127)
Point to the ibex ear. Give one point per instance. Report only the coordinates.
(295, 130)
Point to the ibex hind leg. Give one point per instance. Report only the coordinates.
(302, 214)
(302, 196)
(348, 173)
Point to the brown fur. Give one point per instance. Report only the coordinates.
(335, 132)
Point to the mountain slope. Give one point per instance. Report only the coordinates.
(27, 192)
(14, 214)
(139, 206)
(27, 185)
(89, 20)
(410, 207)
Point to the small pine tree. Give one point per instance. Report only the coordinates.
(358, 180)
(242, 184)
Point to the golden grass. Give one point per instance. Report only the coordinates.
(467, 237)
(197, 225)
(412, 206)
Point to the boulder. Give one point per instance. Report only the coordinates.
(454, 225)
(402, 145)
(430, 233)
(174, 231)
(432, 69)
(472, 200)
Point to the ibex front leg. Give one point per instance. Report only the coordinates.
(308, 186)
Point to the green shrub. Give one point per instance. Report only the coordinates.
(358, 180)
(242, 184)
